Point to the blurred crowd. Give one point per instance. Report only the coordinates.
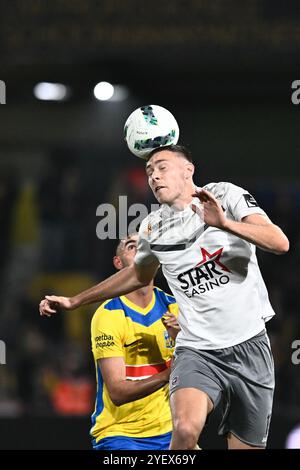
(49, 245)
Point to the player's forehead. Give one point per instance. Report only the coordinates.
(163, 156)
(124, 242)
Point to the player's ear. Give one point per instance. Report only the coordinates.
(189, 170)
(117, 262)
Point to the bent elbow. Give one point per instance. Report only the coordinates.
(283, 247)
(117, 400)
(117, 403)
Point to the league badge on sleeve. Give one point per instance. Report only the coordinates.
(250, 201)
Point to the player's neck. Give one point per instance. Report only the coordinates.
(184, 199)
(141, 297)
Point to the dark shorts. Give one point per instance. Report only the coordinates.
(241, 377)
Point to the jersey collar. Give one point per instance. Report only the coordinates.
(136, 307)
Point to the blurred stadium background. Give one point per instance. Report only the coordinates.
(225, 69)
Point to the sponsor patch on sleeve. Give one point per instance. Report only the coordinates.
(250, 201)
(104, 340)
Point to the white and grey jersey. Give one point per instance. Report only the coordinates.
(213, 274)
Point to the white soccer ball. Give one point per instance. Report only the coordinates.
(149, 127)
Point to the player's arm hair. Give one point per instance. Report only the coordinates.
(123, 391)
(124, 281)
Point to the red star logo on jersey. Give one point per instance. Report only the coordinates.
(213, 257)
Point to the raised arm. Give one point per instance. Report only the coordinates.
(123, 282)
(259, 230)
(255, 228)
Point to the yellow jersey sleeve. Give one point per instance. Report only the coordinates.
(173, 308)
(108, 332)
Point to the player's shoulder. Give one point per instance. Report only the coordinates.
(223, 189)
(167, 298)
(107, 308)
(220, 188)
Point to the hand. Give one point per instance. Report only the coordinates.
(50, 305)
(213, 213)
(171, 324)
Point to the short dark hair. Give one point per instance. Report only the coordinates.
(184, 151)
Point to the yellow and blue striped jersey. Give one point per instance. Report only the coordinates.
(122, 329)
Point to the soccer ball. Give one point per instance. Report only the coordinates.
(150, 127)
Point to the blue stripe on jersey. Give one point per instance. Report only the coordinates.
(162, 301)
(114, 304)
(161, 442)
(166, 298)
(99, 397)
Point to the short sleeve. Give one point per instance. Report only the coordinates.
(241, 203)
(173, 308)
(144, 255)
(108, 332)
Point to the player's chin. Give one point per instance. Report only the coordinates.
(162, 198)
